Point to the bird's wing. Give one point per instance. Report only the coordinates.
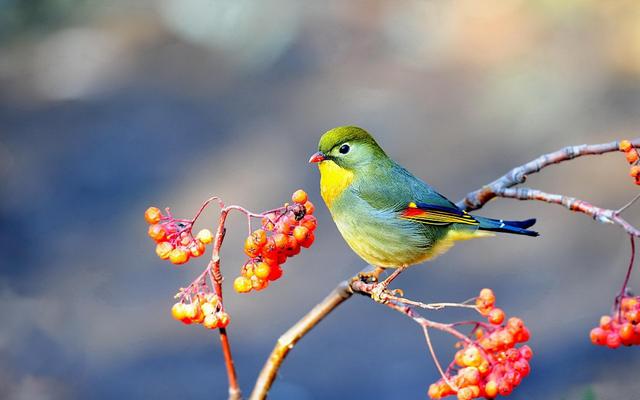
(436, 215)
(395, 188)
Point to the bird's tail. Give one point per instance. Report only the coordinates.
(499, 225)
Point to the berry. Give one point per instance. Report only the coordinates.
(491, 364)
(632, 156)
(301, 233)
(251, 248)
(625, 145)
(223, 319)
(210, 321)
(309, 207)
(205, 236)
(163, 249)
(179, 256)
(275, 273)
(299, 196)
(177, 311)
(157, 232)
(152, 215)
(242, 284)
(259, 237)
(197, 248)
(496, 316)
(262, 270)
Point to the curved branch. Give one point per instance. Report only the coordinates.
(518, 175)
(289, 339)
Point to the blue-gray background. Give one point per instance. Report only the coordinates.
(108, 107)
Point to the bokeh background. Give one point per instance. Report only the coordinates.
(109, 107)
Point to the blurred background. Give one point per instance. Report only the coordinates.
(109, 107)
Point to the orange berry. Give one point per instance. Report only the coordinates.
(284, 226)
(152, 215)
(299, 196)
(281, 241)
(262, 270)
(251, 248)
(491, 389)
(471, 357)
(309, 207)
(205, 236)
(210, 321)
(605, 322)
(275, 273)
(156, 232)
(465, 393)
(496, 316)
(487, 295)
(267, 222)
(300, 233)
(197, 248)
(306, 243)
(259, 237)
(163, 249)
(633, 316)
(293, 247)
(309, 221)
(242, 284)
(179, 255)
(223, 319)
(613, 340)
(632, 156)
(258, 284)
(270, 249)
(624, 145)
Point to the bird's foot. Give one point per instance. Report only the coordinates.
(370, 276)
(381, 294)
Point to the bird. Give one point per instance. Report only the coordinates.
(388, 216)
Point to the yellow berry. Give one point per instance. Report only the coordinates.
(205, 236)
(242, 284)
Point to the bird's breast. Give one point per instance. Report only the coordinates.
(333, 181)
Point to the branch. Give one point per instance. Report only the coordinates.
(502, 187)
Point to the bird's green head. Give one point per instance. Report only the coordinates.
(349, 147)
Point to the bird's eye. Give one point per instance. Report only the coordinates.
(344, 149)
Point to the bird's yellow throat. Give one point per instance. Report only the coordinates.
(333, 180)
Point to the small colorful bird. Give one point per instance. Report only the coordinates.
(390, 218)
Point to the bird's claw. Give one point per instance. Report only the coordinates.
(370, 276)
(380, 294)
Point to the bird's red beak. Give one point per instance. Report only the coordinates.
(317, 157)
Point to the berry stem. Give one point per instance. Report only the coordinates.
(623, 290)
(216, 274)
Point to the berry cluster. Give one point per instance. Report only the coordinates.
(205, 309)
(490, 365)
(632, 157)
(622, 328)
(282, 234)
(175, 241)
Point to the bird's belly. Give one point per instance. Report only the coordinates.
(385, 242)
